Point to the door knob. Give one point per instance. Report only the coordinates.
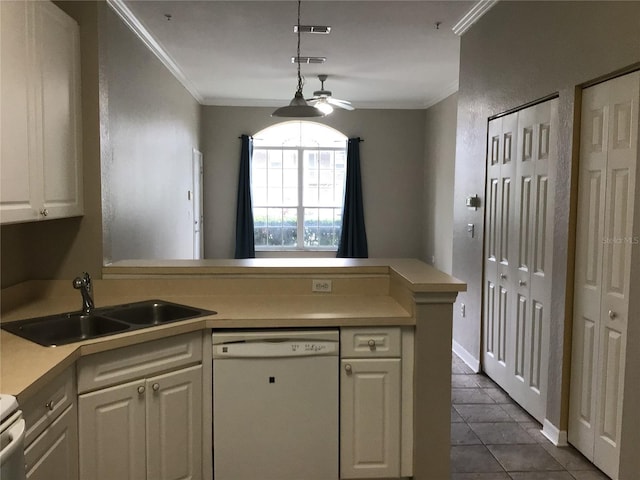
(347, 367)
(612, 314)
(155, 387)
(141, 389)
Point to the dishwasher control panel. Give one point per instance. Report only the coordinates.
(276, 344)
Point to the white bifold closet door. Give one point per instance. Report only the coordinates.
(608, 157)
(518, 252)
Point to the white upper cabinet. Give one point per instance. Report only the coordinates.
(40, 153)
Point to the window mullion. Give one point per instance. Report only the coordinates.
(300, 198)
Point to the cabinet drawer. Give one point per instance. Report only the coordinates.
(46, 405)
(370, 342)
(129, 363)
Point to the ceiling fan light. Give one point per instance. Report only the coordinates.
(298, 108)
(324, 107)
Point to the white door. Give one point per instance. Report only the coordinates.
(111, 426)
(174, 425)
(532, 235)
(518, 245)
(608, 158)
(370, 418)
(498, 287)
(196, 201)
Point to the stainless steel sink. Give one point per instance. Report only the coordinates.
(153, 312)
(65, 328)
(76, 326)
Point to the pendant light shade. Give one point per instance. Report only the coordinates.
(298, 107)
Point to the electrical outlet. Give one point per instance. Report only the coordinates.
(321, 286)
(463, 310)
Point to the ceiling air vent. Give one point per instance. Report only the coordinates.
(318, 29)
(308, 59)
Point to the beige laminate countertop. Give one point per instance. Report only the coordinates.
(25, 366)
(417, 276)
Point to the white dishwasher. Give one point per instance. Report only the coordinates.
(275, 404)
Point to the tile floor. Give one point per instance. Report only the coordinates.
(492, 438)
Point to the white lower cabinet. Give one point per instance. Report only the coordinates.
(370, 418)
(376, 402)
(146, 429)
(51, 439)
(140, 411)
(54, 454)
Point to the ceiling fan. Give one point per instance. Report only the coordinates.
(323, 100)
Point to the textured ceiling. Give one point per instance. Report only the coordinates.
(380, 54)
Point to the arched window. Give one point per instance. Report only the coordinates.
(298, 173)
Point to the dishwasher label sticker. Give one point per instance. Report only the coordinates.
(276, 349)
(310, 347)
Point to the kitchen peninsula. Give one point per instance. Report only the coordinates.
(267, 293)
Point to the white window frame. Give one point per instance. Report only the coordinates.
(300, 207)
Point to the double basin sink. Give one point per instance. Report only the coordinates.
(73, 327)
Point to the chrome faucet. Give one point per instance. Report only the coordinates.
(83, 284)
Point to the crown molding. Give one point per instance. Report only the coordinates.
(472, 16)
(152, 44)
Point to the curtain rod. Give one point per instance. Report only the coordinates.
(359, 139)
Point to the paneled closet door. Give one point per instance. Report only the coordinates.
(518, 246)
(532, 246)
(498, 280)
(608, 158)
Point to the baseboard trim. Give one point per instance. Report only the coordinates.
(554, 435)
(466, 357)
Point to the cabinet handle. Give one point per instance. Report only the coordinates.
(44, 212)
(612, 314)
(503, 276)
(156, 387)
(347, 367)
(372, 344)
(522, 283)
(49, 405)
(141, 389)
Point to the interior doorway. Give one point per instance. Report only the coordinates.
(196, 205)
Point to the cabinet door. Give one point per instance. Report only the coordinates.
(58, 56)
(174, 425)
(16, 100)
(112, 432)
(54, 454)
(370, 418)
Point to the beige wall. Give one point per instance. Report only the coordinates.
(439, 158)
(519, 52)
(150, 125)
(392, 157)
(64, 248)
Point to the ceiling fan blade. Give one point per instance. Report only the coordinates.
(340, 103)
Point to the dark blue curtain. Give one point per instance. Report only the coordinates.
(245, 245)
(353, 238)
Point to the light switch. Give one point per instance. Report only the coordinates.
(471, 229)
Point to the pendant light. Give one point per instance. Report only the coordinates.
(298, 107)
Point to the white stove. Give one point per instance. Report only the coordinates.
(12, 430)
